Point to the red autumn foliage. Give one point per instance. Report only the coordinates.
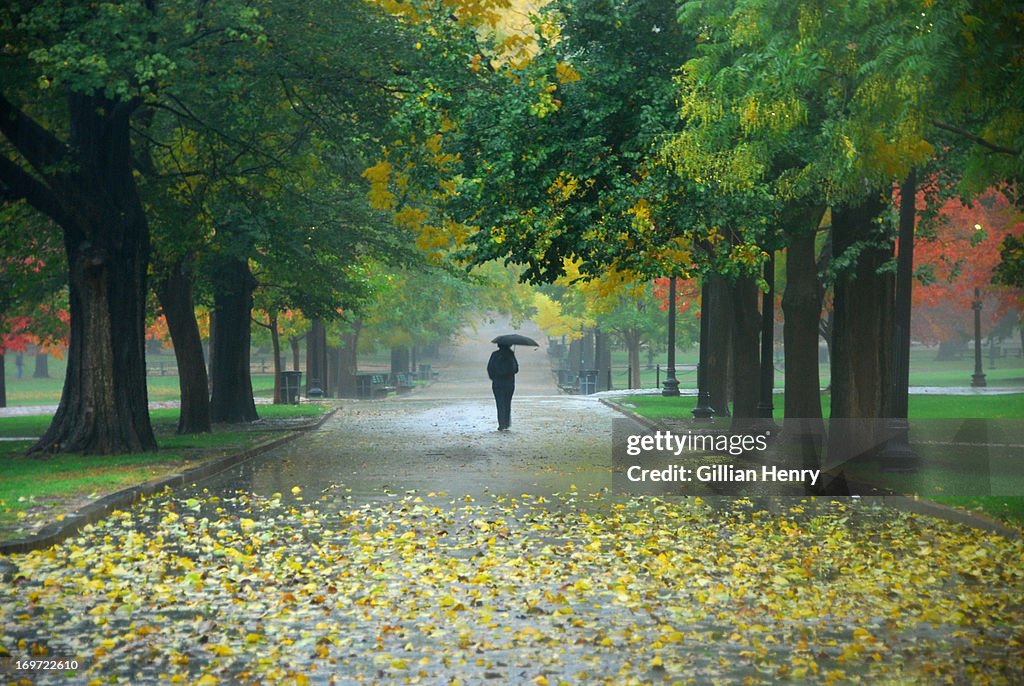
(961, 258)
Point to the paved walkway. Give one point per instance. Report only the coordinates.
(444, 438)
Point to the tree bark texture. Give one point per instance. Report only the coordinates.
(103, 407)
(719, 340)
(175, 293)
(232, 399)
(801, 307)
(745, 355)
(862, 330)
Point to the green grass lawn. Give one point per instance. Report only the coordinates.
(1009, 406)
(925, 370)
(35, 490)
(30, 391)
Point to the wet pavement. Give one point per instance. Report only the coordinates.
(444, 438)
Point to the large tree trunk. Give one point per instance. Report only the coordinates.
(3, 381)
(745, 352)
(719, 339)
(103, 407)
(862, 330)
(801, 306)
(175, 293)
(232, 399)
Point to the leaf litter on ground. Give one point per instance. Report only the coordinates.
(572, 588)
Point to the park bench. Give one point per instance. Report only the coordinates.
(404, 382)
(373, 386)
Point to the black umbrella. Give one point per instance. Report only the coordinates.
(514, 339)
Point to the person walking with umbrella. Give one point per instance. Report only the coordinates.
(502, 369)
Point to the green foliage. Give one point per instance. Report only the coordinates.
(553, 158)
(1010, 270)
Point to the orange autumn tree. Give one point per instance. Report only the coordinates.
(959, 258)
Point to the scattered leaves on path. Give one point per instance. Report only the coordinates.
(572, 589)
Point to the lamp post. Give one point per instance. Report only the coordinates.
(703, 410)
(671, 388)
(978, 378)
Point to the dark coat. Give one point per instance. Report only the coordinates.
(503, 365)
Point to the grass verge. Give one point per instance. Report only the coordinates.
(35, 491)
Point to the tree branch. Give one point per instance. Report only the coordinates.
(975, 139)
(37, 145)
(18, 184)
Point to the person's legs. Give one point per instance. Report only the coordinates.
(499, 397)
(506, 406)
(503, 401)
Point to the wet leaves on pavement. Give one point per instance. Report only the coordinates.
(571, 589)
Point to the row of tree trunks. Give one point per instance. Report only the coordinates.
(862, 326)
(862, 305)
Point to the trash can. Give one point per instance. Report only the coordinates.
(426, 372)
(290, 384)
(588, 381)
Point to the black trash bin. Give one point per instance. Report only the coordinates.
(290, 384)
(588, 381)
